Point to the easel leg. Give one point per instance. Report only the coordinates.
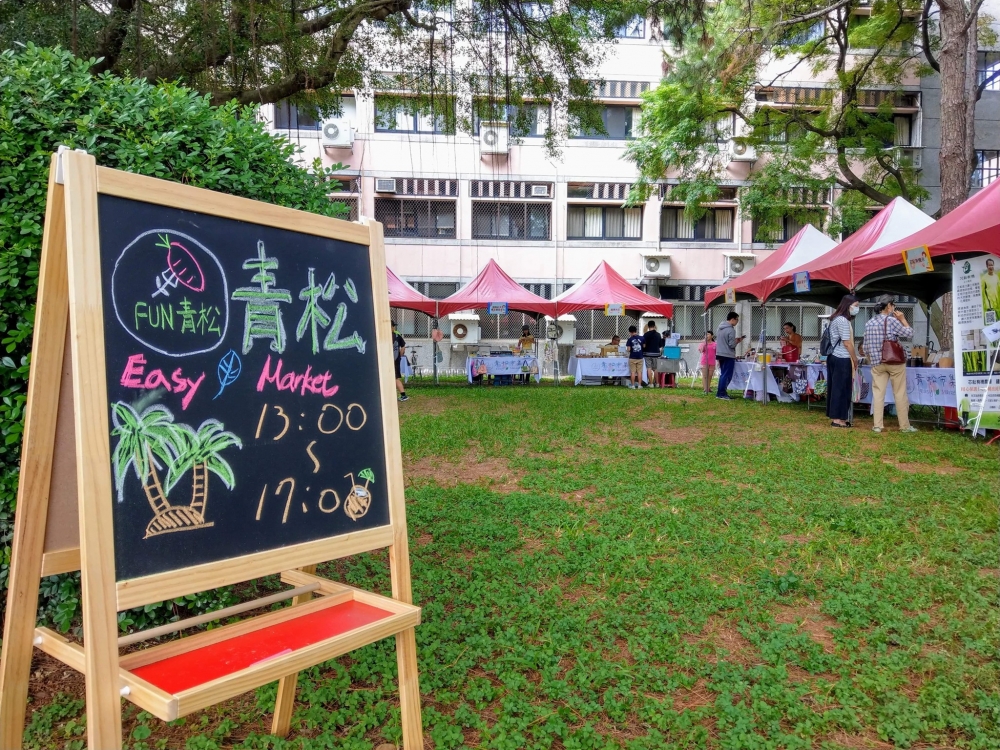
(36, 471)
(285, 702)
(409, 690)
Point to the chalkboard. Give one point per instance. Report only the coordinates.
(243, 388)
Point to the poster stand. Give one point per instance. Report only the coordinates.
(66, 516)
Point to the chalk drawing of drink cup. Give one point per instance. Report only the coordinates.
(360, 499)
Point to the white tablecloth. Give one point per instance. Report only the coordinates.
(745, 371)
(925, 386)
(405, 369)
(601, 367)
(503, 366)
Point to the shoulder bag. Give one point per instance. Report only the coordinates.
(892, 351)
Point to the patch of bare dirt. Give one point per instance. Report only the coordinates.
(492, 472)
(812, 622)
(913, 467)
(864, 741)
(795, 538)
(423, 540)
(721, 635)
(696, 696)
(990, 572)
(586, 496)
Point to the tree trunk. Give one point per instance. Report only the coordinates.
(199, 488)
(958, 109)
(154, 489)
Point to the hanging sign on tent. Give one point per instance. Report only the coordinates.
(614, 309)
(730, 296)
(497, 308)
(976, 290)
(917, 260)
(801, 282)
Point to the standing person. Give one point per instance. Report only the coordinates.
(842, 362)
(398, 352)
(652, 348)
(634, 345)
(725, 352)
(526, 343)
(888, 324)
(707, 361)
(791, 343)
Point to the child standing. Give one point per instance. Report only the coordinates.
(634, 346)
(707, 362)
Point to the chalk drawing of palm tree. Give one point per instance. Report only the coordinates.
(146, 443)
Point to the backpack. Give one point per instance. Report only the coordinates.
(826, 346)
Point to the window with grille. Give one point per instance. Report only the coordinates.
(289, 117)
(987, 168)
(594, 325)
(542, 290)
(416, 218)
(409, 118)
(715, 226)
(633, 29)
(785, 230)
(805, 318)
(988, 68)
(525, 121)
(509, 221)
(620, 123)
(689, 320)
(350, 203)
(603, 223)
(599, 190)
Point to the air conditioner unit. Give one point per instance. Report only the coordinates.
(908, 156)
(656, 266)
(739, 151)
(464, 328)
(565, 329)
(337, 134)
(494, 138)
(384, 185)
(736, 265)
(539, 191)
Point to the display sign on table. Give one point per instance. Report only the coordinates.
(497, 308)
(614, 309)
(231, 414)
(976, 305)
(801, 283)
(917, 260)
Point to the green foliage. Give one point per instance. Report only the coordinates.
(831, 139)
(48, 98)
(699, 574)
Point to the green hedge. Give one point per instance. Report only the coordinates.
(47, 98)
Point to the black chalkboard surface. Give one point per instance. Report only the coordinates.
(243, 387)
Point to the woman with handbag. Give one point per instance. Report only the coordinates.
(888, 360)
(841, 362)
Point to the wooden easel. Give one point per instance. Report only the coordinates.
(64, 516)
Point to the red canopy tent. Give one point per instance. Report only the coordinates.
(972, 228)
(605, 285)
(405, 296)
(493, 285)
(764, 279)
(831, 274)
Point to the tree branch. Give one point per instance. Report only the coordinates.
(925, 34)
(856, 183)
(815, 14)
(112, 37)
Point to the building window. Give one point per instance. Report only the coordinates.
(715, 226)
(416, 218)
(402, 118)
(509, 221)
(803, 35)
(603, 223)
(542, 290)
(351, 202)
(619, 122)
(786, 229)
(987, 168)
(524, 121)
(904, 130)
(988, 66)
(289, 117)
(633, 29)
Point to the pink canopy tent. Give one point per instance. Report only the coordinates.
(404, 296)
(972, 228)
(764, 279)
(831, 274)
(605, 285)
(493, 285)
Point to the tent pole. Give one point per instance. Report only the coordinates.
(434, 349)
(763, 353)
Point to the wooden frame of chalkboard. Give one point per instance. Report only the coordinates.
(138, 283)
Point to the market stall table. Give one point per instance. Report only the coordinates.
(747, 376)
(925, 386)
(601, 367)
(503, 365)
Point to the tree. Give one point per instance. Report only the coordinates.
(259, 51)
(146, 443)
(835, 135)
(199, 452)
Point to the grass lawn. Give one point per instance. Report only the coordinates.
(603, 568)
